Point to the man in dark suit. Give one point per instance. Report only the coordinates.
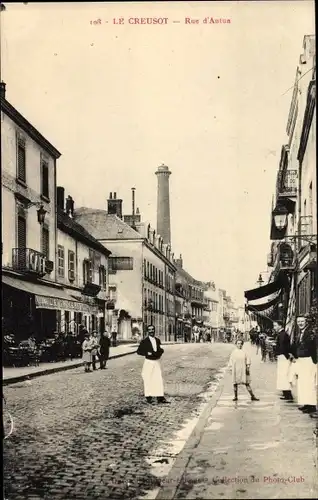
(284, 354)
(104, 345)
(305, 353)
(150, 348)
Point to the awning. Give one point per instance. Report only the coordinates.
(49, 297)
(264, 306)
(264, 291)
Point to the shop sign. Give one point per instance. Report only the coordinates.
(42, 302)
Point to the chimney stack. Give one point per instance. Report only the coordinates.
(3, 90)
(133, 206)
(163, 203)
(114, 206)
(60, 194)
(69, 206)
(179, 261)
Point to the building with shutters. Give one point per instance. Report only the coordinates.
(34, 297)
(141, 270)
(82, 269)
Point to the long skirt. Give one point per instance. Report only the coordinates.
(283, 365)
(306, 371)
(152, 378)
(87, 357)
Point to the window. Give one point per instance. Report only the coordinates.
(71, 265)
(21, 159)
(148, 272)
(58, 320)
(103, 277)
(45, 241)
(145, 268)
(44, 178)
(94, 322)
(67, 321)
(60, 261)
(87, 271)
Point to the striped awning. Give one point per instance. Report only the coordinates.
(264, 291)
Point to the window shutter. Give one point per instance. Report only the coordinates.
(21, 232)
(21, 159)
(71, 265)
(45, 244)
(45, 178)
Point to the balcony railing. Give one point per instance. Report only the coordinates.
(287, 184)
(27, 260)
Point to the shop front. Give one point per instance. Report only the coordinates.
(39, 308)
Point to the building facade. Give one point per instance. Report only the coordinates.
(34, 296)
(82, 269)
(294, 259)
(141, 270)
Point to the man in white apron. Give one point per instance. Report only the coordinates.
(150, 348)
(283, 351)
(306, 367)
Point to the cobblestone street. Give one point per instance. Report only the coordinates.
(82, 436)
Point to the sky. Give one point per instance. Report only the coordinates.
(208, 100)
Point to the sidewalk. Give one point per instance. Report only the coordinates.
(11, 375)
(264, 449)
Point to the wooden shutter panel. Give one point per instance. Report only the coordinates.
(21, 232)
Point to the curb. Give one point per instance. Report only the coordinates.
(28, 376)
(175, 476)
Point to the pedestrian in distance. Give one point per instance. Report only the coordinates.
(150, 348)
(262, 344)
(104, 346)
(87, 352)
(95, 347)
(240, 364)
(283, 353)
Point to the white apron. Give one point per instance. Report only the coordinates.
(306, 371)
(152, 378)
(283, 365)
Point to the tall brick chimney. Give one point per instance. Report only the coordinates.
(163, 203)
(114, 205)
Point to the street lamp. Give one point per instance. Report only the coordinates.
(260, 280)
(41, 214)
(280, 215)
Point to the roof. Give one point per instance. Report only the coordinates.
(104, 226)
(23, 123)
(185, 275)
(72, 227)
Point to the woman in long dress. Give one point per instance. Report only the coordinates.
(240, 364)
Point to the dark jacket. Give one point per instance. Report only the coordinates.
(306, 346)
(283, 344)
(145, 347)
(104, 345)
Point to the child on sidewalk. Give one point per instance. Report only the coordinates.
(87, 352)
(240, 364)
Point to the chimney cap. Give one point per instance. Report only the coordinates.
(115, 195)
(110, 196)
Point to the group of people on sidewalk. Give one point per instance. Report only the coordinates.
(94, 349)
(297, 366)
